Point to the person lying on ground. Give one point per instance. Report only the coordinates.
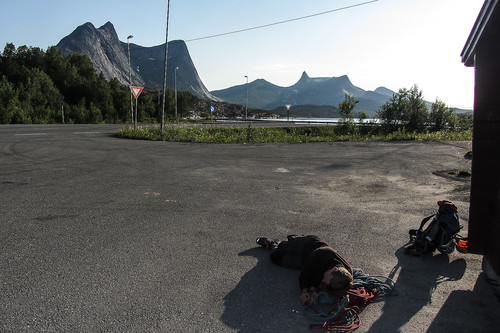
(321, 267)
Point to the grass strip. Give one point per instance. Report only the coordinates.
(253, 134)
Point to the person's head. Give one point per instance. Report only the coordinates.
(337, 281)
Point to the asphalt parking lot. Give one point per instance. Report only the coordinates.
(100, 234)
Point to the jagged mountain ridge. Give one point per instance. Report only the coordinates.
(110, 56)
(307, 91)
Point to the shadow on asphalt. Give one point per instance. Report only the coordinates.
(417, 280)
(469, 311)
(262, 299)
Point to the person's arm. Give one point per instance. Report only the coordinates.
(308, 291)
(305, 279)
(312, 272)
(305, 296)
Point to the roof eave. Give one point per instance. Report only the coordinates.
(469, 49)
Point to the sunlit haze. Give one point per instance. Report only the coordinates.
(391, 43)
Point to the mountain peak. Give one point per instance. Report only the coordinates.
(108, 25)
(87, 25)
(304, 79)
(109, 33)
(84, 30)
(384, 91)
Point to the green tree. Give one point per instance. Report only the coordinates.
(40, 97)
(464, 121)
(30, 57)
(346, 108)
(147, 106)
(57, 67)
(77, 113)
(406, 109)
(169, 106)
(7, 94)
(99, 94)
(391, 113)
(184, 100)
(121, 101)
(417, 114)
(362, 116)
(85, 69)
(442, 117)
(11, 67)
(9, 103)
(9, 50)
(93, 115)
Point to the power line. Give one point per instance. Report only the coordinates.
(281, 22)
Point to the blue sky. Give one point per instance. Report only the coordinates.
(391, 43)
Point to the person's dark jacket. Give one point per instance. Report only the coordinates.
(317, 263)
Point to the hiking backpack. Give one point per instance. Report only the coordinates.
(440, 234)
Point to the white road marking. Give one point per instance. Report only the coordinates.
(29, 134)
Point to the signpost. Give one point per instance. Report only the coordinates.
(136, 91)
(61, 99)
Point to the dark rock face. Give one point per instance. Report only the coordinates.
(104, 50)
(110, 56)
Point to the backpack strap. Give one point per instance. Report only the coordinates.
(424, 221)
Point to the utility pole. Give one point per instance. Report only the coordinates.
(165, 70)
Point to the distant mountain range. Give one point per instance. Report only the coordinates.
(307, 91)
(110, 56)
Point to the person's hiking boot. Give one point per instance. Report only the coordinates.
(266, 242)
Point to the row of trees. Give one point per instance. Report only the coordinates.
(36, 85)
(407, 110)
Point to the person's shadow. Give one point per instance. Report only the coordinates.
(265, 299)
(417, 280)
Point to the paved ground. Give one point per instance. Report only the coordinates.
(100, 234)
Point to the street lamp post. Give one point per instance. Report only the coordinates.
(159, 95)
(130, 80)
(175, 87)
(246, 100)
